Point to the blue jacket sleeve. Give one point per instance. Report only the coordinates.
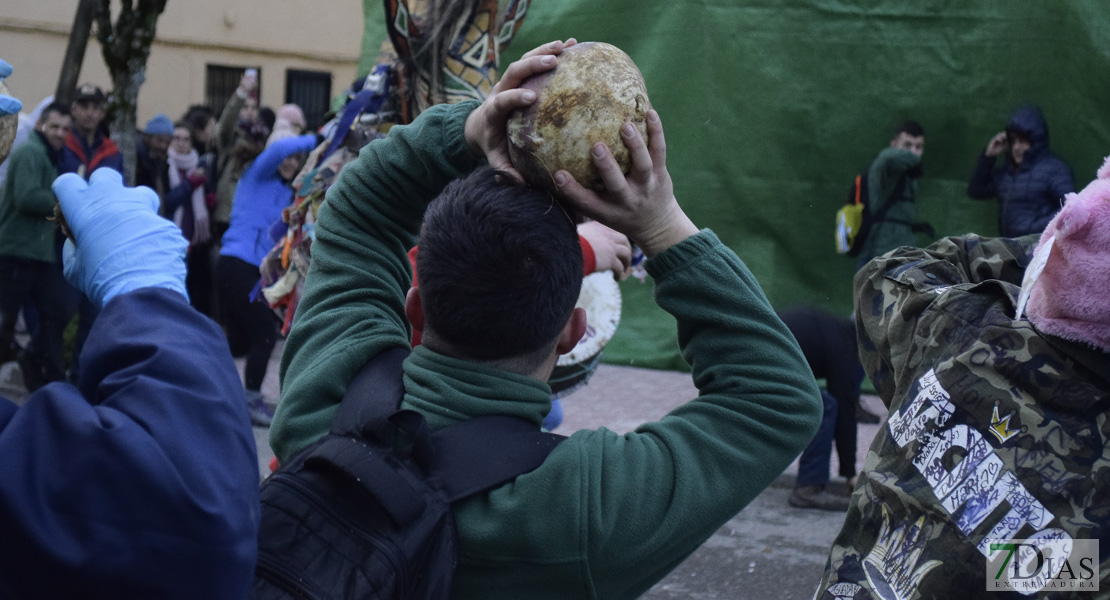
(271, 157)
(143, 483)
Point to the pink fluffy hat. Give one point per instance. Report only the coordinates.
(1071, 297)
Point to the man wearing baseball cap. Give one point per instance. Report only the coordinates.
(87, 148)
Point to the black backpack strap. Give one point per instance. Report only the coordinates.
(482, 453)
(373, 394)
(467, 458)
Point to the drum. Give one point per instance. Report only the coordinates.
(601, 297)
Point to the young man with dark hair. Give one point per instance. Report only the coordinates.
(892, 179)
(463, 276)
(605, 516)
(29, 266)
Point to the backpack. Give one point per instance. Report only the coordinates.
(855, 219)
(365, 512)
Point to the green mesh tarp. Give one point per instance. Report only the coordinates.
(770, 109)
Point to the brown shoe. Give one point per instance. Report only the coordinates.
(815, 496)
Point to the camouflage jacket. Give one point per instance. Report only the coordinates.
(995, 431)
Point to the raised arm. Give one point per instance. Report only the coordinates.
(142, 482)
(225, 127)
(886, 171)
(271, 157)
(981, 185)
(665, 488)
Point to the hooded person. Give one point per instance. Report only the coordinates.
(993, 356)
(1030, 184)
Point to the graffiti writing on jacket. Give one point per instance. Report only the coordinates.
(976, 485)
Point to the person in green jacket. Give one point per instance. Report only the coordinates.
(892, 179)
(29, 267)
(606, 515)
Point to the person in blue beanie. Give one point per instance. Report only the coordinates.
(151, 164)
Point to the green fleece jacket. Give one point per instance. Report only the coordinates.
(27, 202)
(606, 515)
(896, 229)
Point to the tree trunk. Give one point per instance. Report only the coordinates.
(75, 51)
(125, 47)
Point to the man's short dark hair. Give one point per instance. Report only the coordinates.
(499, 267)
(910, 128)
(53, 107)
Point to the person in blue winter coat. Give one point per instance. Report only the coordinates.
(1031, 183)
(251, 327)
(142, 481)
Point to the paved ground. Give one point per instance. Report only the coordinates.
(768, 550)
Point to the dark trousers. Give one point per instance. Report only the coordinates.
(198, 278)
(42, 283)
(838, 421)
(813, 464)
(251, 327)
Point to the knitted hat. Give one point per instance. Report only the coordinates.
(1069, 299)
(279, 134)
(159, 125)
(293, 115)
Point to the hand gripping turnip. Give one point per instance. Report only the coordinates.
(585, 99)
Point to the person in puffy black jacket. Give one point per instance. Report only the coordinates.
(1031, 184)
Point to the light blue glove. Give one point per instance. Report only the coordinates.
(8, 104)
(122, 243)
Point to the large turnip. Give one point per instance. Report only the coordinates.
(594, 88)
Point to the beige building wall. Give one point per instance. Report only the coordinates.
(271, 35)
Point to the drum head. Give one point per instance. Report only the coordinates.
(601, 297)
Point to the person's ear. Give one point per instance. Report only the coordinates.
(414, 310)
(572, 331)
